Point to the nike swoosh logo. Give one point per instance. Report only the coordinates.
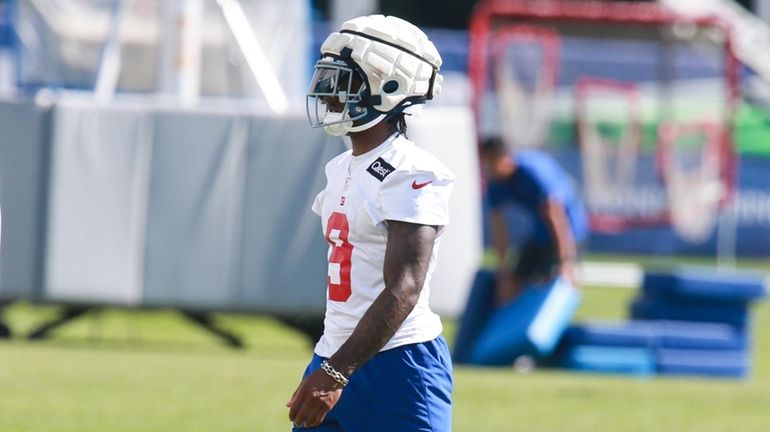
(416, 185)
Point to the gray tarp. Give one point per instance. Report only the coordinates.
(200, 210)
(133, 204)
(230, 224)
(23, 174)
(97, 207)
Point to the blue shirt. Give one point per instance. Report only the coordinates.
(538, 178)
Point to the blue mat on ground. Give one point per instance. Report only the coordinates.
(657, 334)
(625, 360)
(649, 309)
(532, 324)
(704, 336)
(478, 308)
(638, 334)
(705, 284)
(703, 363)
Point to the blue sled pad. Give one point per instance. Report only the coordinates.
(705, 284)
(530, 325)
(709, 363)
(638, 334)
(622, 360)
(656, 334)
(647, 309)
(478, 308)
(703, 336)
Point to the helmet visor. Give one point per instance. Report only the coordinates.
(330, 80)
(335, 87)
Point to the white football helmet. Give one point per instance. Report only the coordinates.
(374, 67)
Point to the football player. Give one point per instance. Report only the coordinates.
(381, 364)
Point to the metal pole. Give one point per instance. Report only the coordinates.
(727, 233)
(181, 30)
(255, 56)
(189, 57)
(109, 68)
(166, 47)
(727, 229)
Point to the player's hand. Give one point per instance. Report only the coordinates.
(314, 398)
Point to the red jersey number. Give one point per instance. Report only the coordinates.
(337, 230)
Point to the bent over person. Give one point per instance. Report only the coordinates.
(381, 364)
(532, 181)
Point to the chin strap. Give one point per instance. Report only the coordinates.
(334, 126)
(368, 124)
(337, 128)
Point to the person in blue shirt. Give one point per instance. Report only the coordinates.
(535, 183)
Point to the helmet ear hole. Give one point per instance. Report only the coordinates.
(390, 86)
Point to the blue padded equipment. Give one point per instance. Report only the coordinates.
(532, 324)
(604, 359)
(713, 363)
(657, 334)
(478, 309)
(637, 334)
(703, 336)
(649, 309)
(705, 284)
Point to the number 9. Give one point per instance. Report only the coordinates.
(338, 279)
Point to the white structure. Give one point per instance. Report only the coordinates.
(448, 133)
(188, 49)
(179, 59)
(752, 35)
(343, 10)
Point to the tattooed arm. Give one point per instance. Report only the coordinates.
(407, 257)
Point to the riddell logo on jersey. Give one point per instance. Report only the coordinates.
(416, 185)
(380, 169)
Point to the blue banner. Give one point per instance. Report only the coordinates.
(751, 210)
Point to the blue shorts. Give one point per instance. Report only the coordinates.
(408, 388)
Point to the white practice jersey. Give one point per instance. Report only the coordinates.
(395, 181)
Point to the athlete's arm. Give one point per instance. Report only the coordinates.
(407, 257)
(556, 218)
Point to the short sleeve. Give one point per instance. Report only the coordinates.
(548, 177)
(420, 197)
(551, 185)
(318, 203)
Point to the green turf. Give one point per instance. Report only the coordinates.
(124, 370)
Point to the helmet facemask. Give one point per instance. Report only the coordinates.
(336, 98)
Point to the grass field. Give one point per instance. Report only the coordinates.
(124, 370)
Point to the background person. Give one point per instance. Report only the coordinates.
(534, 182)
